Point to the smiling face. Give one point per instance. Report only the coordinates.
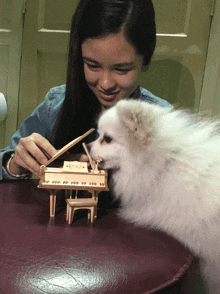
(111, 67)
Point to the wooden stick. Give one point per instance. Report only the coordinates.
(68, 146)
(87, 152)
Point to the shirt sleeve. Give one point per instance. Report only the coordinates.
(41, 121)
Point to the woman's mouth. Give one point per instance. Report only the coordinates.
(108, 96)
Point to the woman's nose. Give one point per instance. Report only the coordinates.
(107, 81)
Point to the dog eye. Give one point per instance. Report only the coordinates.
(107, 139)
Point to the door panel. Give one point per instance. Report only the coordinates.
(177, 68)
(44, 52)
(55, 15)
(176, 71)
(172, 16)
(11, 22)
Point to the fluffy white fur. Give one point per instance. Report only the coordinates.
(167, 174)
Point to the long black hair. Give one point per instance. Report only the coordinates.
(91, 19)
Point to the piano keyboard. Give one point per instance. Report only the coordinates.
(85, 184)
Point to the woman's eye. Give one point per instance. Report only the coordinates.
(107, 139)
(92, 66)
(123, 70)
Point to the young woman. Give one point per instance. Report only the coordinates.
(111, 43)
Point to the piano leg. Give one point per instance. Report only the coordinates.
(92, 213)
(71, 194)
(94, 194)
(52, 202)
(95, 197)
(95, 212)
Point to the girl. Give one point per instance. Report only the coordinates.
(111, 43)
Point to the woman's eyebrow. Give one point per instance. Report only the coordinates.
(122, 64)
(90, 59)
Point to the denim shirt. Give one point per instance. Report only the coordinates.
(43, 119)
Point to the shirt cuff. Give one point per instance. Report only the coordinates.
(4, 173)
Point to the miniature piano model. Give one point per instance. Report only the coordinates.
(74, 175)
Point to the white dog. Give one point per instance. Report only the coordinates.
(166, 171)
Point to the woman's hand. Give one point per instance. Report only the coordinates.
(30, 153)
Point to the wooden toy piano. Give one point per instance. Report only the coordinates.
(74, 175)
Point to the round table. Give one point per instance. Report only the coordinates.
(43, 255)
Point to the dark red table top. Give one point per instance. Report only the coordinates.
(38, 255)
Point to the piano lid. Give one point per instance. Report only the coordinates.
(68, 146)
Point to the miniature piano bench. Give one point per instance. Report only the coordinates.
(81, 203)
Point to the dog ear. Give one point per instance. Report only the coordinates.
(131, 118)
